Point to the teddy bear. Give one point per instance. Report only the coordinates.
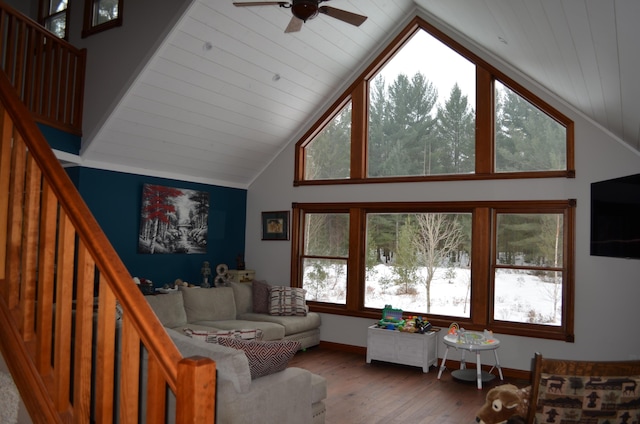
(505, 404)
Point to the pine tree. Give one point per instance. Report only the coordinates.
(456, 134)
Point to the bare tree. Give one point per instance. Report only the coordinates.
(438, 235)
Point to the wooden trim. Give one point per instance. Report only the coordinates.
(6, 131)
(63, 313)
(359, 130)
(83, 336)
(129, 390)
(485, 123)
(46, 256)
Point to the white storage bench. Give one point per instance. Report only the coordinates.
(420, 350)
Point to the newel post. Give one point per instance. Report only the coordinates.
(196, 391)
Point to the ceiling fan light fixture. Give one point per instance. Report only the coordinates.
(304, 9)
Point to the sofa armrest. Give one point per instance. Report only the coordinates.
(283, 397)
(231, 364)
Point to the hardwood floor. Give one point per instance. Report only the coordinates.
(359, 393)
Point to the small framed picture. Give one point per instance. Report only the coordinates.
(275, 225)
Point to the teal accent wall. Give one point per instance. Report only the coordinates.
(115, 198)
(60, 140)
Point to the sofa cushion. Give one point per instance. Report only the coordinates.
(242, 292)
(260, 296)
(169, 308)
(209, 304)
(292, 324)
(270, 330)
(264, 357)
(287, 301)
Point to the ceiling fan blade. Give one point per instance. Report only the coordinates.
(343, 15)
(295, 25)
(261, 3)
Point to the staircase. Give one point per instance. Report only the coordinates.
(74, 328)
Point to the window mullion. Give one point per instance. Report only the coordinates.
(355, 263)
(359, 123)
(482, 243)
(485, 122)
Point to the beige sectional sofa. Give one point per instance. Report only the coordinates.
(291, 395)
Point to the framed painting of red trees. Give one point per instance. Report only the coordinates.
(173, 220)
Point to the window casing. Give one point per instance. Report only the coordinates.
(475, 134)
(100, 15)
(503, 249)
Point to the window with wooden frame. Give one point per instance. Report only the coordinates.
(54, 16)
(504, 265)
(100, 15)
(429, 109)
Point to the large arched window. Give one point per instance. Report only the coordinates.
(428, 109)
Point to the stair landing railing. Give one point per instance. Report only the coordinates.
(47, 72)
(61, 283)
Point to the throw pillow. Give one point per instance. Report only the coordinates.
(587, 399)
(264, 357)
(287, 301)
(260, 297)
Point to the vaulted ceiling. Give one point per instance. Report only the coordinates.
(228, 89)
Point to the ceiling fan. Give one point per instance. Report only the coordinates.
(303, 10)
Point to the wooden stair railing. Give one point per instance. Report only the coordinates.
(60, 283)
(46, 71)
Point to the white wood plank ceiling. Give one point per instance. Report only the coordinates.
(228, 89)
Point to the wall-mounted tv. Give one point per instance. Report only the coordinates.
(615, 217)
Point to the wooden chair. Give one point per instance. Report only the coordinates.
(584, 392)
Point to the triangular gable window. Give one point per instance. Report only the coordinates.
(429, 109)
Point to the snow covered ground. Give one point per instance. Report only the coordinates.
(520, 297)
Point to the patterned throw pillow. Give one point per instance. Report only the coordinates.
(287, 301)
(260, 294)
(593, 399)
(264, 357)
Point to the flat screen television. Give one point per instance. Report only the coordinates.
(615, 217)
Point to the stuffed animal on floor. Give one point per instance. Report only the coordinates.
(505, 404)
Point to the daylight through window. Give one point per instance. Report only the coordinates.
(100, 15)
(500, 265)
(54, 15)
(428, 109)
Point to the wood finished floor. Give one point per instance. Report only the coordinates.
(383, 393)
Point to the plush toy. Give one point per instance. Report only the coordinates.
(505, 404)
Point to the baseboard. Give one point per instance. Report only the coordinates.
(362, 350)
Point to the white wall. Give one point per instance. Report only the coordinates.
(607, 290)
(117, 56)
